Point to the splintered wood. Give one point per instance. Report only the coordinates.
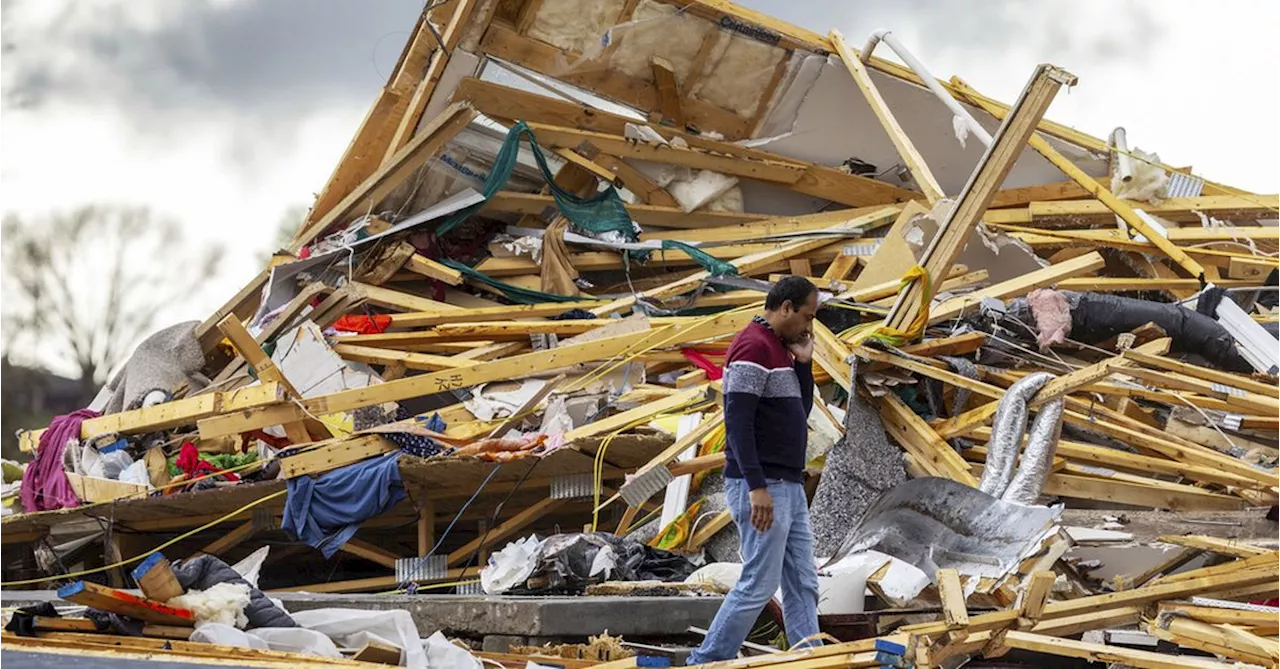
(485, 303)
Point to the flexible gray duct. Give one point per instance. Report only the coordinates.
(1006, 433)
(1037, 459)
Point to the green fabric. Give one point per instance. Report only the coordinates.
(517, 294)
(602, 212)
(708, 262)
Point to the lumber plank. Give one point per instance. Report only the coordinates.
(370, 552)
(155, 577)
(382, 356)
(745, 265)
(231, 539)
(511, 202)
(409, 119)
(499, 313)
(1095, 652)
(951, 592)
(504, 530)
(257, 358)
(1018, 286)
(394, 172)
(1116, 205)
(906, 149)
(334, 454)
(495, 370)
(171, 414)
(915, 436)
(125, 603)
(1215, 545)
(974, 199)
(664, 80)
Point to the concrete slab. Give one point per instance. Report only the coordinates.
(478, 616)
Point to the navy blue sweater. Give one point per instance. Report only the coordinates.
(767, 399)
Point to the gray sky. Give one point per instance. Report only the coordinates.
(224, 113)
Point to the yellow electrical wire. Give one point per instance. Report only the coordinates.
(157, 549)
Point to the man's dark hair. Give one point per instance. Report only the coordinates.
(793, 289)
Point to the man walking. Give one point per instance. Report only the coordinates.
(768, 392)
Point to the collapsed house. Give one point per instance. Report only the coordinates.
(490, 362)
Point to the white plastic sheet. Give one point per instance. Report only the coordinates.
(249, 567)
(444, 655)
(283, 639)
(350, 628)
(510, 566)
(136, 473)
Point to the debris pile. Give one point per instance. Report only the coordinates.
(499, 335)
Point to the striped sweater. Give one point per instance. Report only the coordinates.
(767, 398)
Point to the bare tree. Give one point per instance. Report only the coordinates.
(87, 285)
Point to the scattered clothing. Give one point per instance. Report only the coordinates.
(375, 324)
(714, 373)
(781, 556)
(44, 483)
(205, 571)
(767, 399)
(558, 273)
(327, 510)
(573, 315)
(419, 444)
(191, 464)
(568, 563)
(162, 362)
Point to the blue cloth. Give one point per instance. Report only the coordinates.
(327, 510)
(782, 556)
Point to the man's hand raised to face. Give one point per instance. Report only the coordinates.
(803, 348)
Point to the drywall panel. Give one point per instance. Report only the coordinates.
(833, 122)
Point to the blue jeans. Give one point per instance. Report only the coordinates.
(782, 556)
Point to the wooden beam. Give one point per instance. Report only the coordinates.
(1229, 547)
(502, 313)
(383, 356)
(1178, 209)
(745, 265)
(155, 577)
(370, 552)
(1096, 652)
(506, 368)
(916, 437)
(394, 172)
(773, 170)
(257, 358)
(1055, 388)
(950, 590)
(1116, 205)
(231, 539)
(362, 155)
(973, 201)
(640, 413)
(242, 305)
(664, 80)
(408, 122)
(171, 414)
(334, 454)
(1018, 286)
(633, 179)
(1021, 197)
(125, 603)
(807, 178)
(1196, 371)
(504, 530)
(511, 202)
(433, 270)
(906, 150)
(397, 299)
